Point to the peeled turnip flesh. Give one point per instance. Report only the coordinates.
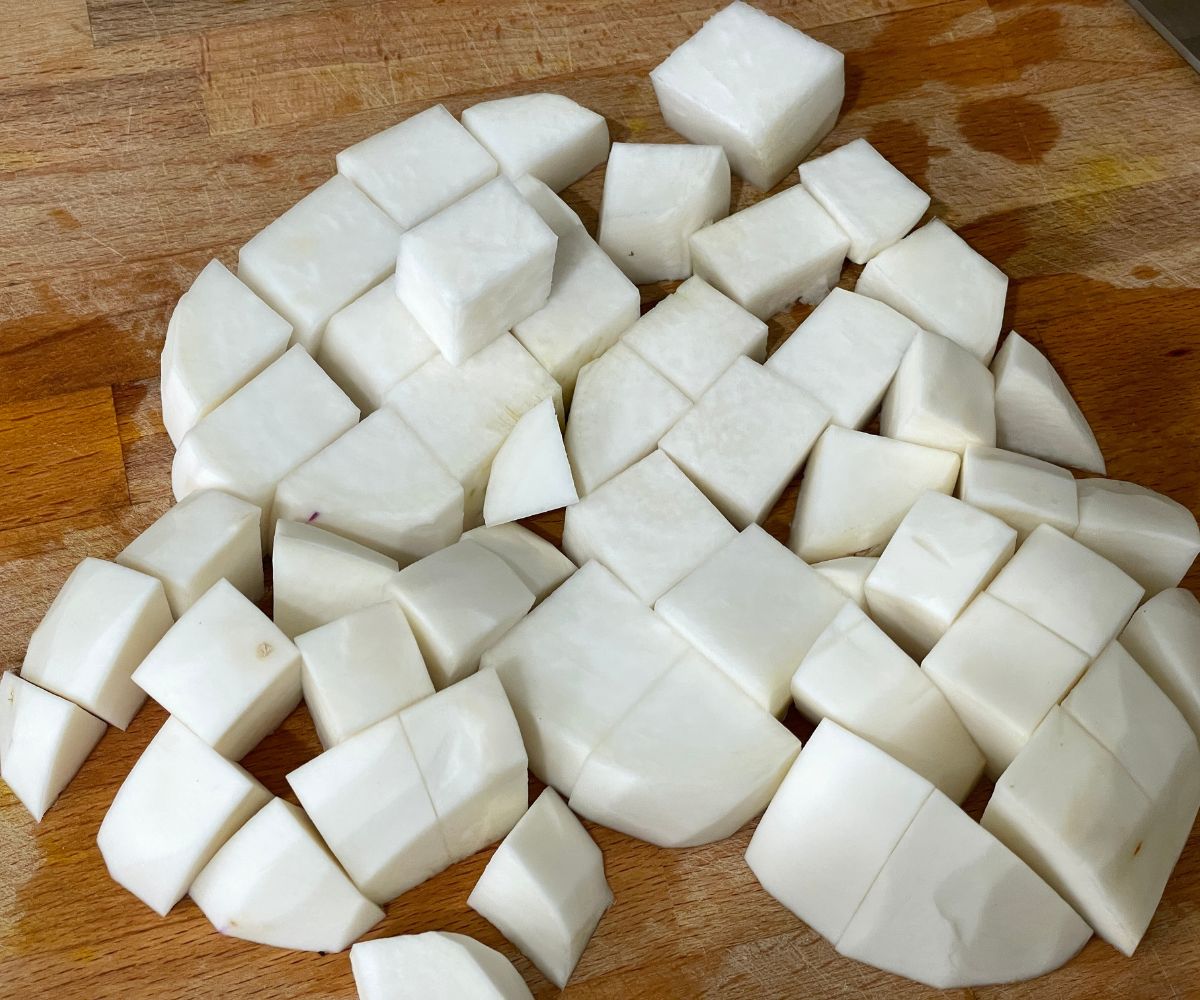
(1022, 491)
(433, 966)
(541, 566)
(849, 574)
(1164, 637)
(530, 473)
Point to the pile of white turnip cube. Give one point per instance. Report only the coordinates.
(431, 347)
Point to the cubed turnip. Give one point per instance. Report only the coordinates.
(541, 566)
(1022, 491)
(849, 574)
(530, 473)
(1164, 636)
(555, 212)
(421, 966)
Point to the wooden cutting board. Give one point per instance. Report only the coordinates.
(140, 138)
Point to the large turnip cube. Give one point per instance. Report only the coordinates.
(421, 966)
(206, 537)
(540, 565)
(220, 336)
(655, 197)
(845, 355)
(378, 485)
(175, 809)
(418, 167)
(547, 136)
(476, 269)
(276, 421)
(871, 200)
(694, 334)
(754, 84)
(320, 255)
(103, 622)
(649, 525)
(1164, 636)
(759, 259)
(544, 888)
(1022, 491)
(530, 473)
(745, 439)
(459, 602)
(935, 279)
(225, 671)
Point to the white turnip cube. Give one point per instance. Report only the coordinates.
(1164, 636)
(541, 566)
(547, 136)
(555, 212)
(320, 255)
(655, 197)
(175, 809)
(99, 627)
(416, 168)
(378, 485)
(530, 473)
(206, 537)
(649, 525)
(477, 268)
(459, 602)
(420, 966)
(1022, 491)
(219, 337)
(849, 574)
(873, 202)
(225, 671)
(759, 258)
(935, 279)
(755, 85)
(745, 439)
(845, 355)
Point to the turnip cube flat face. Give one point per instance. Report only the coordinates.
(468, 747)
(845, 355)
(372, 344)
(1164, 637)
(420, 966)
(206, 537)
(1035, 412)
(418, 167)
(360, 668)
(755, 85)
(1069, 589)
(547, 136)
(44, 740)
(745, 439)
(477, 268)
(530, 474)
(954, 908)
(555, 212)
(621, 410)
(575, 666)
(544, 888)
(1002, 672)
(378, 485)
(103, 622)
(856, 676)
(181, 802)
(464, 413)
(220, 336)
(320, 255)
(754, 609)
(693, 335)
(540, 565)
(591, 304)
(275, 883)
(275, 422)
(649, 525)
(942, 397)
(367, 799)
(1150, 536)
(319, 576)
(935, 279)
(942, 555)
(655, 197)
(225, 671)
(871, 200)
(759, 260)
(849, 574)
(858, 487)
(831, 827)
(1022, 491)
(691, 763)
(459, 602)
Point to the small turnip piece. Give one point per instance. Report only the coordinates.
(541, 566)
(849, 574)
(433, 966)
(1022, 491)
(1164, 637)
(530, 473)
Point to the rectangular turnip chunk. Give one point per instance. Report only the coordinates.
(1022, 491)
(1164, 636)
(765, 257)
(477, 268)
(320, 255)
(755, 85)
(416, 168)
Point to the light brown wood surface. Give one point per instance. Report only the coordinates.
(140, 138)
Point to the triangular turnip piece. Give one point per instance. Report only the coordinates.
(540, 565)
(434, 964)
(1164, 637)
(530, 473)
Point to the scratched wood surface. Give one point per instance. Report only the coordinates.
(140, 138)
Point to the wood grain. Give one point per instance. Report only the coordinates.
(140, 138)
